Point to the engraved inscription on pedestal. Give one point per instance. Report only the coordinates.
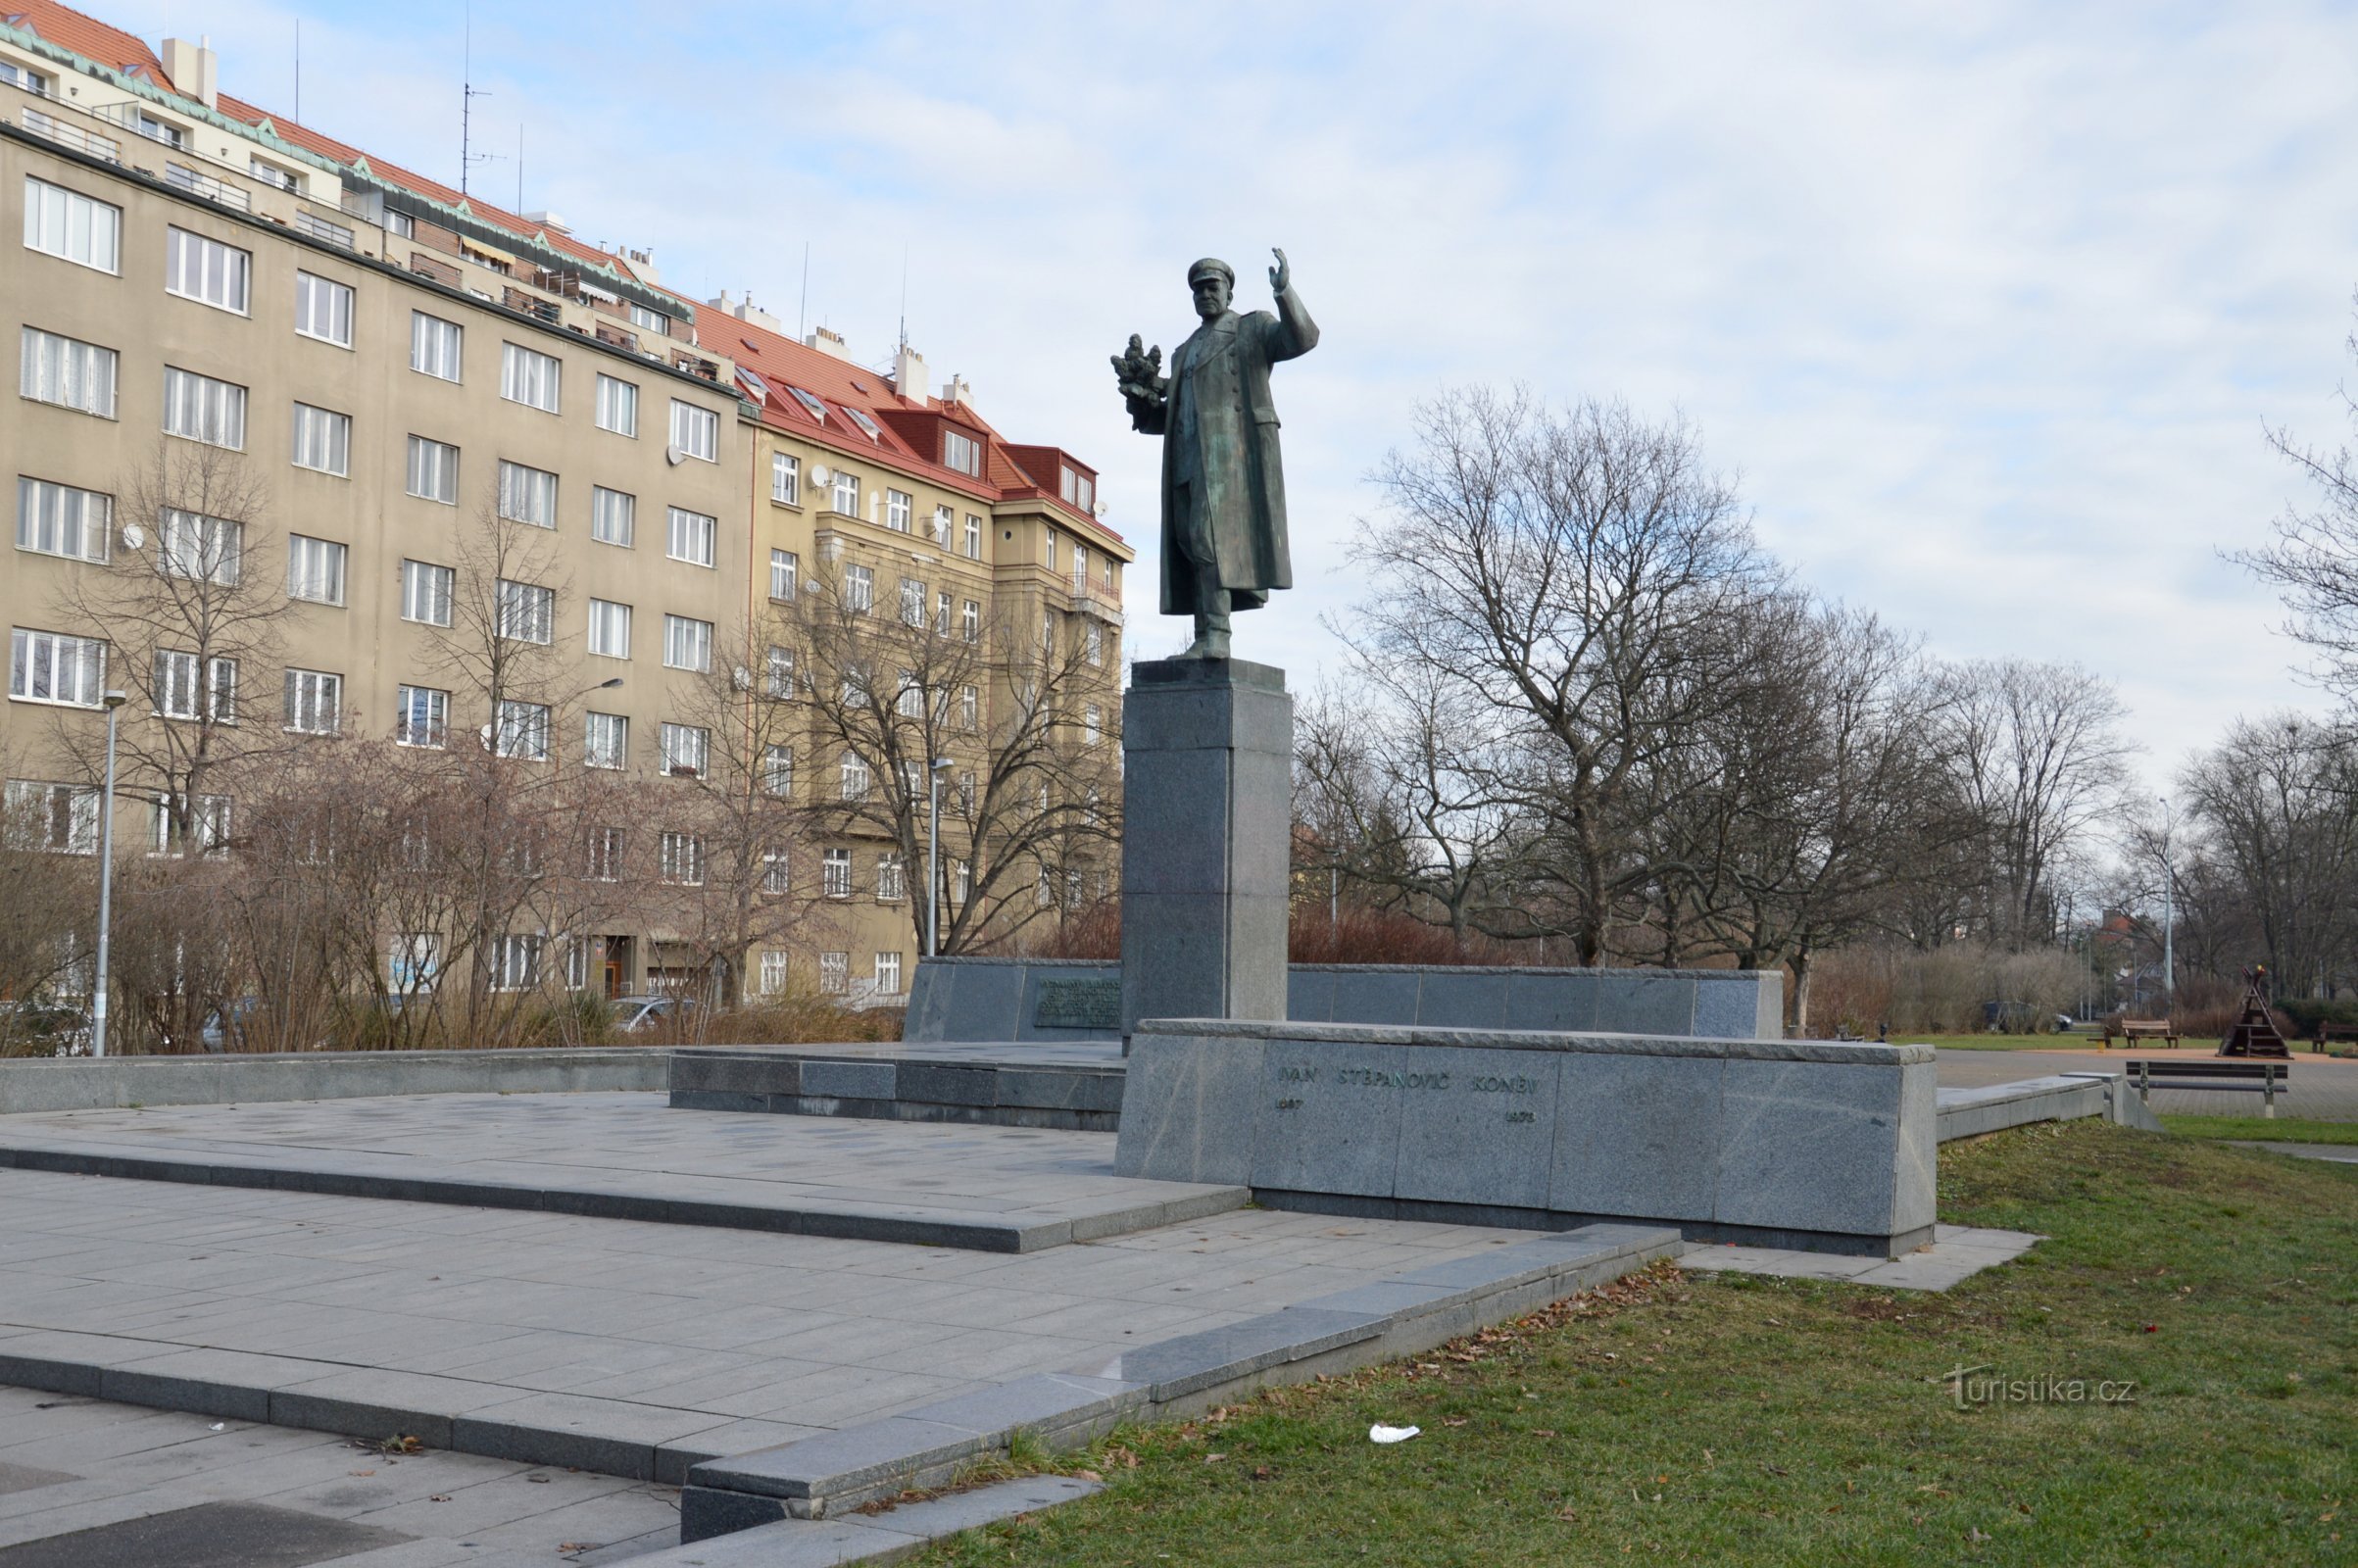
(1078, 1005)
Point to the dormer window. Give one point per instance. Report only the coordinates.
(23, 77)
(865, 423)
(1079, 489)
(962, 451)
(810, 405)
(647, 321)
(272, 174)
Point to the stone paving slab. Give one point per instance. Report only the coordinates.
(2325, 1088)
(548, 1337)
(1957, 1253)
(631, 1156)
(873, 1538)
(101, 1468)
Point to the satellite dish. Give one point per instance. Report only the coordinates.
(134, 537)
(1099, 510)
(819, 473)
(675, 456)
(742, 678)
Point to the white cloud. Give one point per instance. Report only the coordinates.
(1987, 306)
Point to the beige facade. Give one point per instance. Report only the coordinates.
(395, 371)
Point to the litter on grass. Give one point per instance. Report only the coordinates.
(1380, 1433)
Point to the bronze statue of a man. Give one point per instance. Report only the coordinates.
(1223, 486)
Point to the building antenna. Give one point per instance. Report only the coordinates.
(905, 294)
(801, 312)
(468, 92)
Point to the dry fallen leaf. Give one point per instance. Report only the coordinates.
(360, 1472)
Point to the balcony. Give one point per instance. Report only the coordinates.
(89, 143)
(320, 228)
(188, 179)
(1099, 600)
(140, 123)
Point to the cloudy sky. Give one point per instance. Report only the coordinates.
(1988, 306)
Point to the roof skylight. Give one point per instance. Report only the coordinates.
(810, 405)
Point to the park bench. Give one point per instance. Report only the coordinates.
(2265, 1076)
(2132, 1029)
(2329, 1032)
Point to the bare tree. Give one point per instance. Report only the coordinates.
(48, 884)
(1027, 718)
(193, 611)
(2314, 557)
(1563, 576)
(2276, 803)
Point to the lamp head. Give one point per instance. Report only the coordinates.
(114, 700)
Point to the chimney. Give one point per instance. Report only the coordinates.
(643, 263)
(549, 221)
(828, 341)
(908, 375)
(195, 70)
(745, 310)
(957, 392)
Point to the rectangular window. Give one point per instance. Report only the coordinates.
(200, 548)
(314, 569)
(786, 479)
(962, 451)
(522, 731)
(618, 405)
(773, 964)
(888, 974)
(322, 440)
(899, 505)
(777, 770)
(859, 589)
(973, 537)
(687, 748)
(680, 860)
(202, 408)
(785, 574)
(912, 602)
(835, 968)
(62, 818)
(1080, 490)
(690, 536)
(527, 495)
(969, 620)
(66, 222)
(435, 345)
(30, 81)
(426, 592)
(323, 308)
(515, 962)
(207, 271)
(687, 644)
(614, 517)
(909, 701)
(1080, 569)
(57, 519)
(1097, 643)
(527, 612)
(695, 431)
(433, 470)
(890, 881)
(221, 689)
(179, 694)
(835, 869)
(781, 673)
(1092, 724)
(69, 373)
(847, 493)
(969, 708)
(609, 628)
(606, 742)
(400, 225)
(648, 320)
(606, 854)
(941, 615)
(530, 377)
(421, 716)
(854, 779)
(207, 824)
(315, 702)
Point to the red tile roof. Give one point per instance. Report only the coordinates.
(88, 38)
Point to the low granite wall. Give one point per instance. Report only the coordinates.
(81, 1083)
(1080, 998)
(1787, 1142)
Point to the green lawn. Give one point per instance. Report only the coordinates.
(2004, 1042)
(2279, 1130)
(1734, 1420)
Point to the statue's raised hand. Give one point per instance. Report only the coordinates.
(1280, 274)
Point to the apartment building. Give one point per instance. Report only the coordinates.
(385, 375)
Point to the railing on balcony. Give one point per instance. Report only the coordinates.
(516, 299)
(140, 123)
(440, 271)
(320, 228)
(51, 129)
(205, 185)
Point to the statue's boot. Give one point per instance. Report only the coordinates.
(1212, 617)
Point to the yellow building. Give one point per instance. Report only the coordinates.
(383, 386)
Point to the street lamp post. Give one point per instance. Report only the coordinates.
(2169, 919)
(105, 881)
(933, 854)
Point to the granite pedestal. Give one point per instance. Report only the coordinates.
(1207, 748)
(1809, 1143)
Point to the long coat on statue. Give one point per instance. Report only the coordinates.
(1224, 483)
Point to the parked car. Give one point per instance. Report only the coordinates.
(649, 1014)
(44, 1029)
(224, 1027)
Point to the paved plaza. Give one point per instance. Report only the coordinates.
(2322, 1087)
